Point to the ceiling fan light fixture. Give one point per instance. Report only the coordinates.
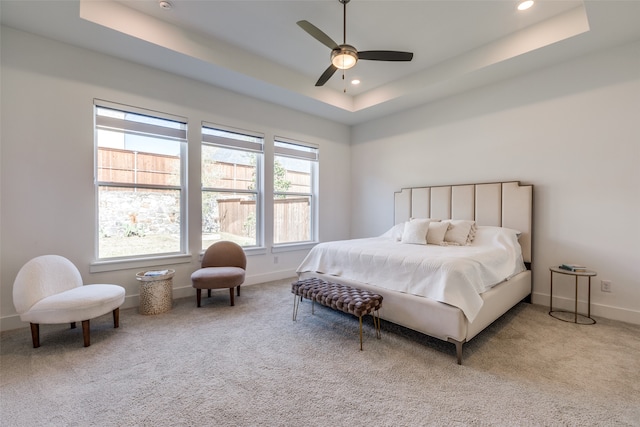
(345, 57)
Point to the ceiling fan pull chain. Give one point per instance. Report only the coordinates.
(344, 82)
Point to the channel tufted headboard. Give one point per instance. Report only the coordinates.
(502, 204)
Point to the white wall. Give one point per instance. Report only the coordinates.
(46, 179)
(573, 131)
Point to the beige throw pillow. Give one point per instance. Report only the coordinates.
(458, 232)
(436, 233)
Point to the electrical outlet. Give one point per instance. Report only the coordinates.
(605, 285)
(275, 259)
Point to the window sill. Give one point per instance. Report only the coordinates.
(261, 250)
(254, 250)
(292, 247)
(127, 264)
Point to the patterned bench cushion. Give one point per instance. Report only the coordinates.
(350, 300)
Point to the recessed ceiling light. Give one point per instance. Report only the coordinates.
(355, 82)
(164, 4)
(525, 5)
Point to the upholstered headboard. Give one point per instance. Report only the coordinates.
(502, 204)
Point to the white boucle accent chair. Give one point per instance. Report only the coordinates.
(49, 289)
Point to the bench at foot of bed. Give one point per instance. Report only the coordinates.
(338, 297)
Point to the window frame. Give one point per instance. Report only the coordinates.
(178, 135)
(242, 146)
(313, 156)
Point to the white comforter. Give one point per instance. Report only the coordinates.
(455, 275)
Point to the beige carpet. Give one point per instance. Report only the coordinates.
(250, 365)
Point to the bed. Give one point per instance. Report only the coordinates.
(479, 285)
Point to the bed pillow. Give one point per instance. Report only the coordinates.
(415, 231)
(395, 232)
(436, 233)
(458, 232)
(487, 235)
(472, 233)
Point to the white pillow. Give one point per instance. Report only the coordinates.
(436, 233)
(487, 235)
(395, 232)
(458, 232)
(415, 231)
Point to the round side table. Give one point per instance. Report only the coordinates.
(156, 292)
(584, 320)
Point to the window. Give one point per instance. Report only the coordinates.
(140, 167)
(294, 181)
(231, 186)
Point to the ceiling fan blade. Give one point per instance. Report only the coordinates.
(385, 55)
(326, 75)
(317, 34)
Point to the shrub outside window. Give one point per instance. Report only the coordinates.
(295, 176)
(231, 186)
(140, 165)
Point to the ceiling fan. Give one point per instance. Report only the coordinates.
(345, 56)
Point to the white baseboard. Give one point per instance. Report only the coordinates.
(597, 310)
(270, 277)
(11, 322)
(8, 323)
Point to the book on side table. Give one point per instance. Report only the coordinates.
(573, 267)
(154, 273)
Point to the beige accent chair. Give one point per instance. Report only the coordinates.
(223, 266)
(48, 289)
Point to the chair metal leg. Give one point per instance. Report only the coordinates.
(116, 317)
(35, 335)
(85, 333)
(208, 293)
(198, 296)
(238, 290)
(231, 293)
(73, 325)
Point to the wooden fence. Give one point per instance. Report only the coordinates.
(132, 167)
(291, 224)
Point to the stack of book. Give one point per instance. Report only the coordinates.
(154, 273)
(573, 267)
